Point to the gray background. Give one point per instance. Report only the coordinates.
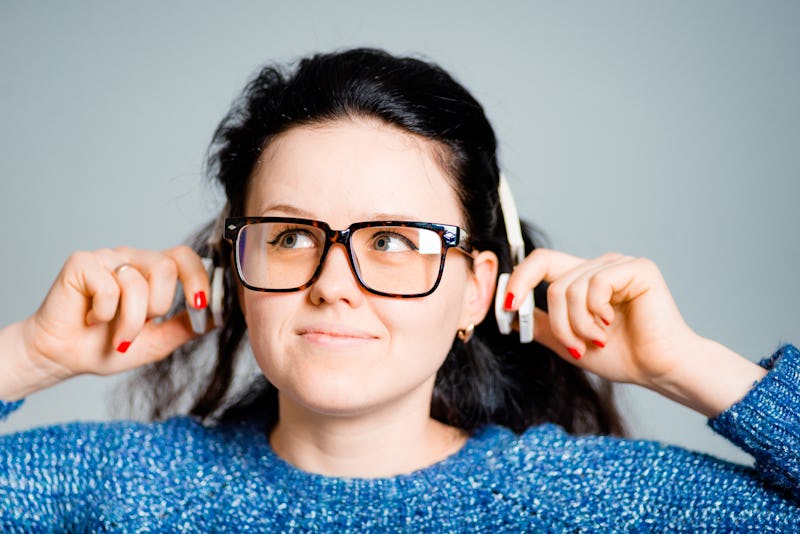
(669, 130)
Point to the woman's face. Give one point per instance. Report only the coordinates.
(334, 348)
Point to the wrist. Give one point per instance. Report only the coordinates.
(709, 377)
(21, 374)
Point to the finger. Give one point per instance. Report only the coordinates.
(541, 264)
(585, 319)
(161, 274)
(566, 304)
(622, 282)
(155, 342)
(134, 293)
(86, 274)
(193, 274)
(132, 306)
(545, 336)
(158, 341)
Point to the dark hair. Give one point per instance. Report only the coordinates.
(492, 378)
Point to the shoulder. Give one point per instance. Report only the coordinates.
(616, 483)
(549, 449)
(83, 452)
(546, 460)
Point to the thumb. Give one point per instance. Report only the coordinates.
(157, 341)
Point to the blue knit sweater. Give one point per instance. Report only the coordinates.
(179, 476)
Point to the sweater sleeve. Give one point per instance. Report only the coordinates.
(766, 422)
(7, 407)
(605, 483)
(42, 482)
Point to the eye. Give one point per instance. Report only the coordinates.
(391, 242)
(294, 238)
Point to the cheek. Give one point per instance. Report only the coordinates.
(428, 325)
(266, 317)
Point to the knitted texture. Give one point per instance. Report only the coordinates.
(180, 476)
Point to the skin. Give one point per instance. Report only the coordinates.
(355, 371)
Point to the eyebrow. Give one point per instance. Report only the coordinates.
(294, 211)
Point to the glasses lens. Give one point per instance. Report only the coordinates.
(279, 255)
(397, 259)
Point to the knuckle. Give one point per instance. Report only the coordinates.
(182, 251)
(560, 331)
(124, 250)
(165, 267)
(574, 293)
(611, 256)
(554, 291)
(159, 307)
(646, 264)
(104, 252)
(595, 305)
(108, 291)
(593, 296)
(599, 279)
(138, 282)
(538, 253)
(80, 257)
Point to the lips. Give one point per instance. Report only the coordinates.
(328, 333)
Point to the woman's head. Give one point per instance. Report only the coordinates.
(320, 139)
(362, 136)
(333, 346)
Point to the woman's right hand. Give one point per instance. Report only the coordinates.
(95, 318)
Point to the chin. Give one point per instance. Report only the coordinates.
(333, 393)
(334, 403)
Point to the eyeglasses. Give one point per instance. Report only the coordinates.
(390, 258)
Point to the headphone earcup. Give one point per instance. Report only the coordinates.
(217, 295)
(504, 317)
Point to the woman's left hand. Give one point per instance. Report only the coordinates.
(615, 316)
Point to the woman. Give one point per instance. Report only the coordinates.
(363, 240)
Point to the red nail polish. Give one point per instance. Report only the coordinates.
(509, 301)
(574, 352)
(598, 343)
(604, 321)
(200, 301)
(123, 347)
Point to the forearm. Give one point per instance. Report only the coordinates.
(19, 376)
(711, 379)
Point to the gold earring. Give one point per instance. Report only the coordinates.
(465, 333)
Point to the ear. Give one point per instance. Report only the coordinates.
(479, 296)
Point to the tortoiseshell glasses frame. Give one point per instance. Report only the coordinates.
(449, 236)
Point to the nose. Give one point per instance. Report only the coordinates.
(336, 281)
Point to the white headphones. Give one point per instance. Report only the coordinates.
(514, 232)
(199, 318)
(216, 274)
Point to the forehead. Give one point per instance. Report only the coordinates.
(353, 170)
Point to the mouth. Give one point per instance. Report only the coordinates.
(335, 335)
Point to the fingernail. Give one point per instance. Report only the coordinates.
(200, 300)
(509, 301)
(574, 352)
(598, 343)
(123, 347)
(604, 321)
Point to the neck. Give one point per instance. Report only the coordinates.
(392, 440)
